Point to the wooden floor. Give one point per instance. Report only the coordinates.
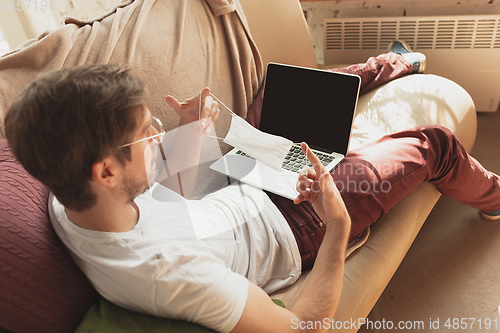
(452, 271)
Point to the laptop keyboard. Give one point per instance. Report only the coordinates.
(295, 160)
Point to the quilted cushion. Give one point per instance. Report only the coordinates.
(41, 289)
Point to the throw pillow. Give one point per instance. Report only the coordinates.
(41, 289)
(105, 317)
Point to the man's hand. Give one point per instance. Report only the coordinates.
(184, 158)
(317, 186)
(189, 110)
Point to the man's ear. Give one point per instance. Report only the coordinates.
(105, 171)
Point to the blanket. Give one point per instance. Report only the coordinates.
(175, 47)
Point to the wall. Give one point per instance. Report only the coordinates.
(316, 11)
(30, 23)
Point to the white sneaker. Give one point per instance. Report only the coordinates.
(491, 215)
(417, 59)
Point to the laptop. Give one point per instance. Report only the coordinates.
(300, 104)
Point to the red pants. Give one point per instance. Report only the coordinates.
(374, 178)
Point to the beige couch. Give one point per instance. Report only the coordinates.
(406, 102)
(281, 35)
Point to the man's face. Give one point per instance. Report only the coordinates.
(135, 179)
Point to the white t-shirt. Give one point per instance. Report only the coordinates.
(188, 259)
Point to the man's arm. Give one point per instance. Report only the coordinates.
(319, 299)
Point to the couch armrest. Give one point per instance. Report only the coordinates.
(414, 100)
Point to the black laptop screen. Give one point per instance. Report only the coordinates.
(310, 105)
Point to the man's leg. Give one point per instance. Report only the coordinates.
(380, 174)
(378, 70)
(374, 178)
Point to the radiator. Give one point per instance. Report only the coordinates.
(465, 49)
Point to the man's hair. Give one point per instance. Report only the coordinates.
(66, 120)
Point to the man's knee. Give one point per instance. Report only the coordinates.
(438, 135)
(437, 130)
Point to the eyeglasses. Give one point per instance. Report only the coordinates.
(158, 126)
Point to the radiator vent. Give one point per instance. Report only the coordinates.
(443, 32)
(465, 48)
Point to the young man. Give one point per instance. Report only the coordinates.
(86, 133)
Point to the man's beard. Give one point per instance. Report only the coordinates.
(133, 188)
(154, 163)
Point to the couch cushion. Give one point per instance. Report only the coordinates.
(104, 316)
(41, 289)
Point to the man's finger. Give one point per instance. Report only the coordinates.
(303, 196)
(307, 172)
(200, 101)
(207, 125)
(207, 107)
(174, 103)
(298, 199)
(303, 185)
(319, 168)
(204, 93)
(216, 113)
